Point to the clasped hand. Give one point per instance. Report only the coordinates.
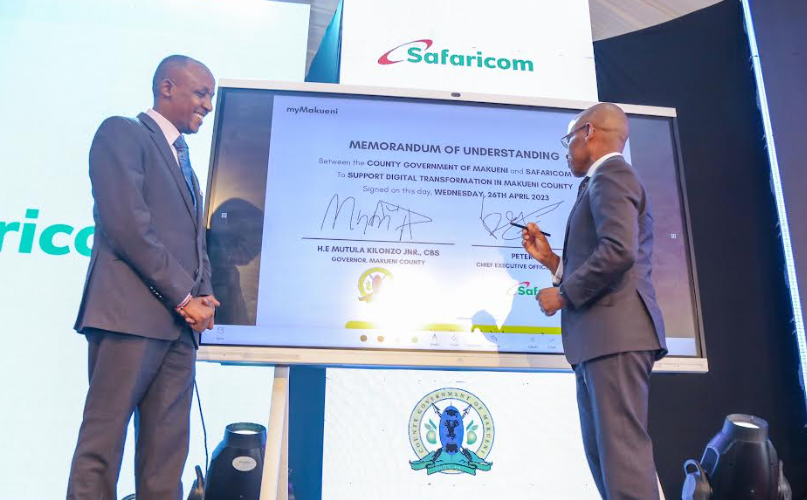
(199, 312)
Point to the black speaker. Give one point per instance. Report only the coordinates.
(237, 466)
(739, 463)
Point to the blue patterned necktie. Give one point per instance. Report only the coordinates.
(184, 159)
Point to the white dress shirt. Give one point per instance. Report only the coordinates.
(169, 130)
(559, 273)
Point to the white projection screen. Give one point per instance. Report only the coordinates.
(356, 226)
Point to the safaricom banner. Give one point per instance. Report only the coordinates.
(64, 67)
(539, 48)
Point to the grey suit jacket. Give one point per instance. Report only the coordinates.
(149, 250)
(607, 263)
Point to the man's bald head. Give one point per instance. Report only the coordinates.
(594, 133)
(170, 68)
(183, 91)
(609, 121)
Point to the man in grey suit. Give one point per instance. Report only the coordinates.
(612, 326)
(147, 293)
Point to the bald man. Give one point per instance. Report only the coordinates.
(147, 294)
(613, 330)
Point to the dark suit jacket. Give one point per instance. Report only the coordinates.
(149, 249)
(607, 261)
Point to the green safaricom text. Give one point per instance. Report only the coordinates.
(56, 239)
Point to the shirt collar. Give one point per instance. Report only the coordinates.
(168, 129)
(599, 162)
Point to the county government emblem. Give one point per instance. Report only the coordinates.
(371, 283)
(451, 431)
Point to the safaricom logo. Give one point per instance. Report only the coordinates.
(523, 288)
(417, 51)
(56, 239)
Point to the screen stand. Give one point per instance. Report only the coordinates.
(275, 482)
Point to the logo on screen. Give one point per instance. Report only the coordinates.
(372, 283)
(451, 432)
(417, 51)
(522, 289)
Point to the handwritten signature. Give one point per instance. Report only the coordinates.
(498, 225)
(385, 216)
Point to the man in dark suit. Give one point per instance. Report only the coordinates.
(147, 293)
(612, 326)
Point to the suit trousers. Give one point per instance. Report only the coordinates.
(612, 398)
(152, 379)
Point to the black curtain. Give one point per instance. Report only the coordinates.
(779, 26)
(700, 65)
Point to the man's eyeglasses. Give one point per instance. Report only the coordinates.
(566, 139)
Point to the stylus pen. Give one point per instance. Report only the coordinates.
(525, 227)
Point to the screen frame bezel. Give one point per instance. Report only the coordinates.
(426, 359)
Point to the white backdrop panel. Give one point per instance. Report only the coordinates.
(536, 451)
(64, 67)
(554, 37)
